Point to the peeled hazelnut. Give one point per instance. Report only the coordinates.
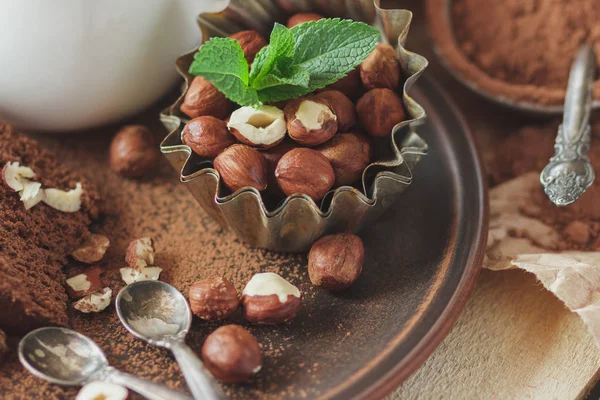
(240, 166)
(310, 122)
(251, 43)
(342, 107)
(379, 111)
(381, 68)
(207, 136)
(301, 18)
(232, 354)
(305, 171)
(265, 127)
(92, 249)
(203, 98)
(85, 283)
(273, 155)
(350, 85)
(349, 154)
(270, 299)
(98, 390)
(213, 299)
(64, 200)
(336, 261)
(133, 151)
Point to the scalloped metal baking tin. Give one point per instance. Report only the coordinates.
(295, 223)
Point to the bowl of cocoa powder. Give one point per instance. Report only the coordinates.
(514, 52)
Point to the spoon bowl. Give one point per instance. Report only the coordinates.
(61, 356)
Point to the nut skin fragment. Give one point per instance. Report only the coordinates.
(251, 42)
(92, 249)
(301, 18)
(379, 110)
(305, 171)
(242, 166)
(213, 299)
(350, 85)
(349, 154)
(133, 151)
(336, 261)
(207, 136)
(307, 135)
(86, 283)
(202, 98)
(381, 68)
(342, 107)
(232, 354)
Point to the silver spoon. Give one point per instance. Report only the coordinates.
(569, 173)
(68, 358)
(158, 313)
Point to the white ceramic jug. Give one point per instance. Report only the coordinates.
(73, 64)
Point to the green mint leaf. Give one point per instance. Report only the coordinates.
(331, 48)
(281, 45)
(222, 62)
(296, 76)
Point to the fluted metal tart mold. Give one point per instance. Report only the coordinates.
(293, 224)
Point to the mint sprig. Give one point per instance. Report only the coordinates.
(296, 62)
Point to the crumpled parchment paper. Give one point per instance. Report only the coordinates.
(518, 241)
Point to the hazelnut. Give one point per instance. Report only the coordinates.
(336, 261)
(310, 121)
(273, 155)
(350, 85)
(133, 151)
(203, 98)
(342, 107)
(301, 18)
(251, 43)
(381, 68)
(270, 299)
(94, 302)
(85, 283)
(140, 253)
(379, 110)
(16, 176)
(305, 171)
(349, 154)
(207, 136)
(264, 127)
(64, 200)
(92, 249)
(240, 166)
(98, 390)
(213, 299)
(232, 354)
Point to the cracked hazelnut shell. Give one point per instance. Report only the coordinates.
(310, 121)
(232, 354)
(241, 166)
(336, 261)
(213, 299)
(207, 136)
(203, 98)
(133, 151)
(381, 68)
(379, 110)
(305, 171)
(251, 42)
(349, 154)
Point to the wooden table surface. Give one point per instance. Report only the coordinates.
(515, 340)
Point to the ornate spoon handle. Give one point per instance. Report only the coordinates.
(569, 173)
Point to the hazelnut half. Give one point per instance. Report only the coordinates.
(310, 121)
(270, 299)
(349, 154)
(232, 354)
(264, 127)
(301, 18)
(379, 110)
(305, 171)
(342, 107)
(350, 85)
(336, 261)
(203, 98)
(381, 68)
(213, 299)
(207, 136)
(133, 151)
(241, 166)
(251, 43)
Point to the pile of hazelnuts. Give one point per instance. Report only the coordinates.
(308, 145)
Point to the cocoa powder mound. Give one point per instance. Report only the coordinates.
(529, 149)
